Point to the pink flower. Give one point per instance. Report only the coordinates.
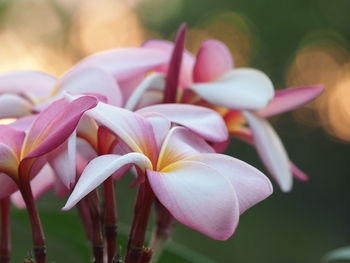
(24, 154)
(216, 84)
(201, 189)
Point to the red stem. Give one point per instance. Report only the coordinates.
(5, 246)
(37, 230)
(164, 221)
(84, 213)
(137, 234)
(110, 219)
(97, 237)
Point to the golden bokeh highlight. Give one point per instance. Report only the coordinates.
(231, 28)
(324, 63)
(106, 24)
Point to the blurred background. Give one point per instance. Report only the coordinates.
(296, 42)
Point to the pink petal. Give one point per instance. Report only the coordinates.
(24, 123)
(34, 84)
(151, 97)
(160, 125)
(271, 150)
(155, 81)
(92, 80)
(241, 89)
(132, 128)
(54, 125)
(297, 173)
(245, 135)
(127, 65)
(11, 138)
(187, 61)
(203, 121)
(173, 74)
(289, 99)
(251, 185)
(7, 186)
(99, 169)
(62, 161)
(179, 144)
(213, 60)
(13, 106)
(198, 197)
(40, 185)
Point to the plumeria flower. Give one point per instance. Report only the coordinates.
(24, 154)
(240, 95)
(201, 189)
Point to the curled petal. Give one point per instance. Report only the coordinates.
(213, 60)
(271, 150)
(154, 81)
(132, 128)
(62, 160)
(92, 80)
(241, 89)
(34, 84)
(179, 144)
(198, 197)
(54, 125)
(203, 121)
(251, 185)
(289, 99)
(13, 106)
(99, 169)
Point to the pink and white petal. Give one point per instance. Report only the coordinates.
(34, 84)
(24, 123)
(155, 81)
(125, 63)
(203, 121)
(179, 144)
(12, 138)
(14, 106)
(7, 186)
(54, 125)
(270, 150)
(297, 173)
(99, 169)
(87, 130)
(63, 161)
(130, 127)
(187, 64)
(251, 185)
(245, 135)
(91, 80)
(240, 89)
(150, 97)
(199, 197)
(41, 184)
(289, 99)
(161, 126)
(8, 161)
(213, 60)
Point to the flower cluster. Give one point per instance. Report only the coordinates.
(158, 111)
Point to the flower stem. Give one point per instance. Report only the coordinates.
(144, 200)
(97, 238)
(162, 232)
(84, 213)
(5, 246)
(37, 230)
(110, 219)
